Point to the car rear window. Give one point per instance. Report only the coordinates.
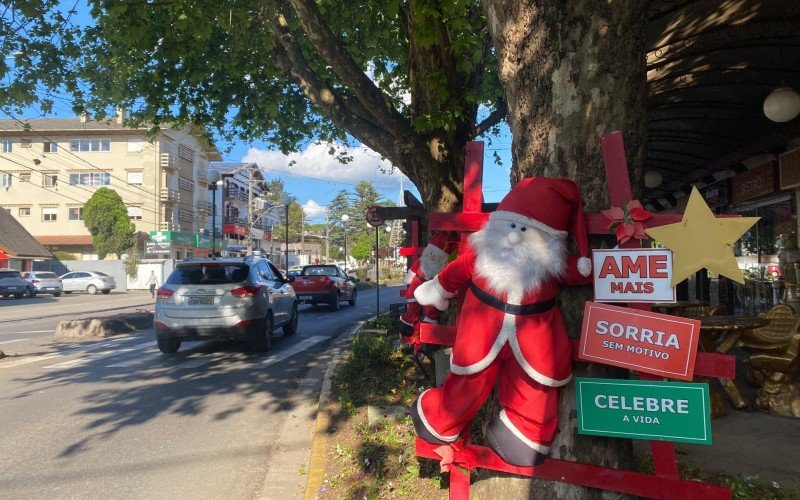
(9, 274)
(319, 271)
(100, 274)
(46, 275)
(208, 274)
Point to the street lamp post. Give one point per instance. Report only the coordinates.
(345, 218)
(377, 273)
(213, 179)
(287, 200)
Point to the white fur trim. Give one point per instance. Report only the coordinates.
(429, 320)
(508, 326)
(449, 439)
(406, 322)
(519, 435)
(585, 266)
(409, 277)
(431, 293)
(411, 301)
(527, 221)
(532, 373)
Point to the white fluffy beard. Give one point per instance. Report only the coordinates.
(430, 263)
(516, 269)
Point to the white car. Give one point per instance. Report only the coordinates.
(88, 281)
(44, 282)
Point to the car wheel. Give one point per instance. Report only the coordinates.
(262, 340)
(352, 300)
(91, 289)
(30, 293)
(68, 292)
(106, 292)
(18, 295)
(57, 294)
(290, 328)
(168, 346)
(336, 302)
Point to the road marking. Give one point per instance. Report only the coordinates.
(291, 351)
(67, 352)
(10, 341)
(85, 359)
(29, 331)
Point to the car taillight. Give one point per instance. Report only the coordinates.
(326, 282)
(159, 324)
(246, 292)
(164, 293)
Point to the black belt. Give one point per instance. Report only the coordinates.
(489, 299)
(420, 277)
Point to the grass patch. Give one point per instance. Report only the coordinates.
(376, 462)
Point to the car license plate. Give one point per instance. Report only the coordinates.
(201, 301)
(305, 297)
(12, 288)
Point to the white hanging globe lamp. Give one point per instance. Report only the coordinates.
(782, 105)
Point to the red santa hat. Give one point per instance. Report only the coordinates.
(550, 205)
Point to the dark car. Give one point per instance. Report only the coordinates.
(12, 284)
(234, 298)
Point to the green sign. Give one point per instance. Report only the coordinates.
(656, 411)
(172, 237)
(203, 241)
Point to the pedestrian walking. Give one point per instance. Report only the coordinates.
(153, 282)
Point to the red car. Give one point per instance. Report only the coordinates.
(324, 284)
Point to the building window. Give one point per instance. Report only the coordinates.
(135, 213)
(134, 177)
(7, 145)
(89, 145)
(49, 180)
(25, 177)
(5, 180)
(49, 214)
(90, 179)
(24, 211)
(135, 146)
(50, 147)
(75, 213)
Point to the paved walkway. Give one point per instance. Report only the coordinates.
(751, 443)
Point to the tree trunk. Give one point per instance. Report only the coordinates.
(572, 70)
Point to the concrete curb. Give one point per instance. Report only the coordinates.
(319, 446)
(104, 326)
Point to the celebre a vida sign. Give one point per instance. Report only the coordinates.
(633, 275)
(639, 340)
(659, 411)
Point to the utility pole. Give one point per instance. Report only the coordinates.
(327, 236)
(250, 211)
(302, 231)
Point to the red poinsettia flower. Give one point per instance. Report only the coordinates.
(627, 222)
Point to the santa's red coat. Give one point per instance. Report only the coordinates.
(539, 341)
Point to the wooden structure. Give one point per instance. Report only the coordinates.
(462, 456)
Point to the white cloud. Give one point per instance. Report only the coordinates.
(313, 209)
(316, 162)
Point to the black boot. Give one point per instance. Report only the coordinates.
(423, 431)
(406, 330)
(509, 447)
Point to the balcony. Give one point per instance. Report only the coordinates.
(202, 176)
(234, 225)
(236, 194)
(167, 162)
(186, 184)
(170, 195)
(204, 207)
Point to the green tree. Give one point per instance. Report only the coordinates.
(287, 72)
(106, 218)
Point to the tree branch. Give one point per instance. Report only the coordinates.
(328, 46)
(289, 57)
(493, 119)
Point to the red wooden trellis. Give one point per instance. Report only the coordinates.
(665, 482)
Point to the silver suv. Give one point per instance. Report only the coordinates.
(239, 299)
(44, 282)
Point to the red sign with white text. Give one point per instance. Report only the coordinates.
(639, 340)
(633, 275)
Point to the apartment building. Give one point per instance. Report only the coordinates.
(49, 168)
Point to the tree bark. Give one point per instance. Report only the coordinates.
(572, 70)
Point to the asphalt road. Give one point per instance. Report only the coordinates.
(116, 418)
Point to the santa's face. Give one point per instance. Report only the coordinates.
(515, 257)
(432, 260)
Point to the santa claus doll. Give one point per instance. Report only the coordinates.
(509, 327)
(432, 260)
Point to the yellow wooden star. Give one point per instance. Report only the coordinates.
(700, 240)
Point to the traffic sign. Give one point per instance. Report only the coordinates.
(372, 217)
(658, 411)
